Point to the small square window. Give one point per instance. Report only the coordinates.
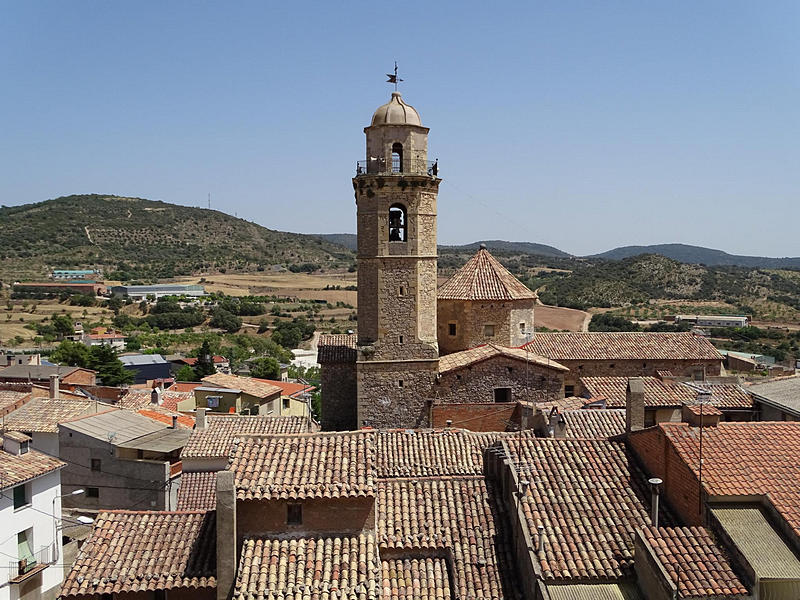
(488, 330)
(399, 383)
(95, 464)
(569, 390)
(510, 369)
(451, 328)
(23, 447)
(286, 403)
(611, 366)
(400, 339)
(21, 496)
(502, 394)
(294, 514)
(522, 327)
(92, 492)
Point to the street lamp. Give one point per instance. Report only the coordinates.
(57, 519)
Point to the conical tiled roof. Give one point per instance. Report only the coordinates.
(484, 278)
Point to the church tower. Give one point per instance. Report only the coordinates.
(395, 190)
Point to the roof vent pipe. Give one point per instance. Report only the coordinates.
(174, 421)
(540, 549)
(655, 487)
(54, 385)
(448, 423)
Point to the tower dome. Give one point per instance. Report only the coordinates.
(396, 112)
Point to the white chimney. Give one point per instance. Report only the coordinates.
(54, 385)
(200, 418)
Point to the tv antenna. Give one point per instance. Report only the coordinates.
(209, 200)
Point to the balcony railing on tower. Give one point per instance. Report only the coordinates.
(396, 166)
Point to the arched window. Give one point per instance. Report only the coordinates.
(397, 223)
(397, 157)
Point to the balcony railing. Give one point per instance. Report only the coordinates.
(26, 566)
(409, 166)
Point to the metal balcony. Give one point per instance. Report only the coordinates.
(409, 166)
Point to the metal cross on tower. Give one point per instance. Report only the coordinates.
(393, 78)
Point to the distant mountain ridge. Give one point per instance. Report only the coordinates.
(698, 255)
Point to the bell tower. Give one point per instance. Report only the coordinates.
(395, 190)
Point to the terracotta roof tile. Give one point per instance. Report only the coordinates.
(466, 358)
(43, 415)
(590, 496)
(459, 515)
(658, 393)
(703, 409)
(426, 453)
(137, 399)
(162, 415)
(336, 348)
(16, 469)
(593, 423)
(197, 491)
(323, 465)
(745, 459)
(12, 399)
(216, 439)
(132, 551)
(484, 278)
(694, 562)
(422, 578)
(254, 387)
(623, 346)
(278, 568)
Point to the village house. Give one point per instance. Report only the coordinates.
(102, 336)
(123, 460)
(30, 510)
(231, 393)
(777, 399)
(221, 364)
(41, 374)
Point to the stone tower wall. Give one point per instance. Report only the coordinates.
(384, 403)
(471, 316)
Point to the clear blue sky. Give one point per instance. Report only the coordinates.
(584, 125)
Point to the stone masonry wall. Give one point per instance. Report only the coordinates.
(634, 368)
(471, 317)
(386, 403)
(339, 396)
(476, 383)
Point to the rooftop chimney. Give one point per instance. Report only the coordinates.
(156, 395)
(174, 421)
(54, 385)
(200, 418)
(655, 487)
(448, 423)
(634, 405)
(226, 533)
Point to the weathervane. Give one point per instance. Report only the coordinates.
(393, 78)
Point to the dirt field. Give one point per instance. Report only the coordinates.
(299, 285)
(11, 325)
(555, 317)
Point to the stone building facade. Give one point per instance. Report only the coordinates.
(395, 192)
(483, 303)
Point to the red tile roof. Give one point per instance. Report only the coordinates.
(162, 415)
(43, 415)
(418, 578)
(693, 562)
(184, 386)
(466, 358)
(192, 361)
(137, 399)
(198, 491)
(11, 400)
(133, 551)
(19, 468)
(623, 346)
(590, 496)
(745, 459)
(704, 410)
(484, 278)
(659, 393)
(336, 566)
(216, 439)
(289, 388)
(323, 465)
(253, 387)
(336, 348)
(593, 423)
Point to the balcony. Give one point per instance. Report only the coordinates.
(25, 568)
(409, 166)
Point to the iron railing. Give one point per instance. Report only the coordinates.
(408, 166)
(44, 556)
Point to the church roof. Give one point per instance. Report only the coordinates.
(396, 112)
(484, 278)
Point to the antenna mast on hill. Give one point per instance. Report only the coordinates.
(209, 200)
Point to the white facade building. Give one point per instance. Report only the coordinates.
(30, 519)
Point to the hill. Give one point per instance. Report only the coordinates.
(348, 240)
(512, 248)
(701, 256)
(134, 238)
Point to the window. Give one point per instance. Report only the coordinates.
(569, 390)
(25, 551)
(698, 375)
(286, 403)
(402, 291)
(451, 328)
(611, 366)
(522, 327)
(502, 394)
(399, 383)
(21, 496)
(294, 514)
(23, 447)
(488, 330)
(92, 492)
(397, 157)
(509, 369)
(397, 223)
(95, 464)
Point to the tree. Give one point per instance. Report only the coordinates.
(205, 362)
(265, 368)
(63, 325)
(608, 322)
(226, 320)
(185, 373)
(73, 354)
(109, 368)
